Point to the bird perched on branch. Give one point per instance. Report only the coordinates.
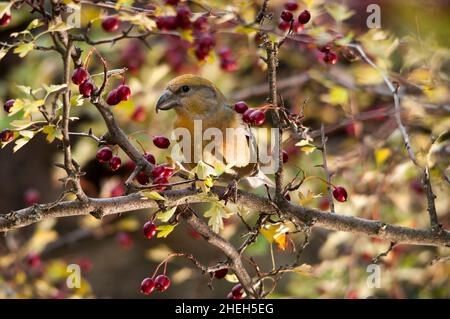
(203, 112)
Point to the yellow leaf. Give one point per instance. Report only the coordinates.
(305, 146)
(381, 155)
(165, 230)
(308, 198)
(23, 49)
(128, 225)
(152, 195)
(275, 233)
(187, 35)
(337, 95)
(167, 215)
(420, 76)
(231, 278)
(52, 133)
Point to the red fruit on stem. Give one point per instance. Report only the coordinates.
(247, 114)
(150, 158)
(31, 197)
(147, 286)
(149, 229)
(183, 17)
(240, 107)
(304, 17)
(139, 114)
(8, 105)
(168, 171)
(158, 171)
(104, 154)
(284, 25)
(219, 274)
(229, 65)
(86, 88)
(330, 58)
(287, 16)
(231, 296)
(142, 178)
(161, 141)
(257, 117)
(79, 75)
(291, 5)
(340, 194)
(285, 156)
(160, 180)
(201, 23)
(237, 290)
(162, 282)
(111, 24)
(6, 136)
(124, 92)
(114, 163)
(117, 191)
(113, 98)
(297, 27)
(5, 20)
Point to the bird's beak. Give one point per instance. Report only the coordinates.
(166, 101)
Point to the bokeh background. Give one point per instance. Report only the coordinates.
(365, 151)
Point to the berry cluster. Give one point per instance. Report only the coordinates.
(119, 94)
(250, 116)
(80, 77)
(161, 283)
(329, 57)
(287, 18)
(105, 155)
(5, 20)
(227, 62)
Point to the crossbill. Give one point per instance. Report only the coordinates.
(196, 101)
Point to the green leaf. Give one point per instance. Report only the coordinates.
(165, 230)
(34, 24)
(23, 124)
(5, 7)
(152, 195)
(167, 215)
(58, 27)
(52, 133)
(23, 49)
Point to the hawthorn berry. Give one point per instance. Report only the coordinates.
(79, 75)
(5, 20)
(158, 171)
(31, 197)
(304, 17)
(285, 157)
(237, 290)
(330, 58)
(229, 65)
(231, 296)
(297, 27)
(247, 114)
(172, 2)
(86, 88)
(123, 92)
(240, 107)
(33, 260)
(6, 136)
(117, 191)
(161, 141)
(113, 97)
(284, 25)
(183, 17)
(201, 23)
(111, 24)
(168, 171)
(150, 158)
(8, 105)
(104, 154)
(114, 163)
(160, 180)
(219, 274)
(291, 5)
(166, 23)
(340, 194)
(139, 114)
(124, 240)
(287, 15)
(147, 286)
(149, 229)
(142, 178)
(162, 282)
(257, 117)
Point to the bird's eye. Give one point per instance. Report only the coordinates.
(185, 88)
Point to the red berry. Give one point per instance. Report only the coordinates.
(229, 65)
(241, 107)
(330, 58)
(285, 157)
(162, 283)
(325, 48)
(124, 92)
(117, 191)
(324, 203)
(284, 25)
(113, 98)
(79, 75)
(160, 180)
(304, 17)
(6, 136)
(142, 178)
(297, 27)
(5, 20)
(247, 114)
(225, 53)
(183, 17)
(219, 274)
(287, 16)
(104, 154)
(8, 105)
(124, 240)
(31, 197)
(139, 114)
(111, 24)
(166, 22)
(201, 23)
(161, 141)
(231, 296)
(172, 2)
(33, 260)
(114, 163)
(291, 5)
(130, 165)
(158, 171)
(237, 290)
(257, 117)
(150, 158)
(86, 88)
(149, 229)
(168, 171)
(147, 286)
(340, 194)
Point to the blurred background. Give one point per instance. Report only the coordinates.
(365, 150)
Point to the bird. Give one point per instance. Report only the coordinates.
(198, 101)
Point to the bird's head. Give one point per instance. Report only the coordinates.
(191, 96)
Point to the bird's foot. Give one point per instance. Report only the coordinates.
(231, 192)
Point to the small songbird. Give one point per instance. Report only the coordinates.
(198, 102)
